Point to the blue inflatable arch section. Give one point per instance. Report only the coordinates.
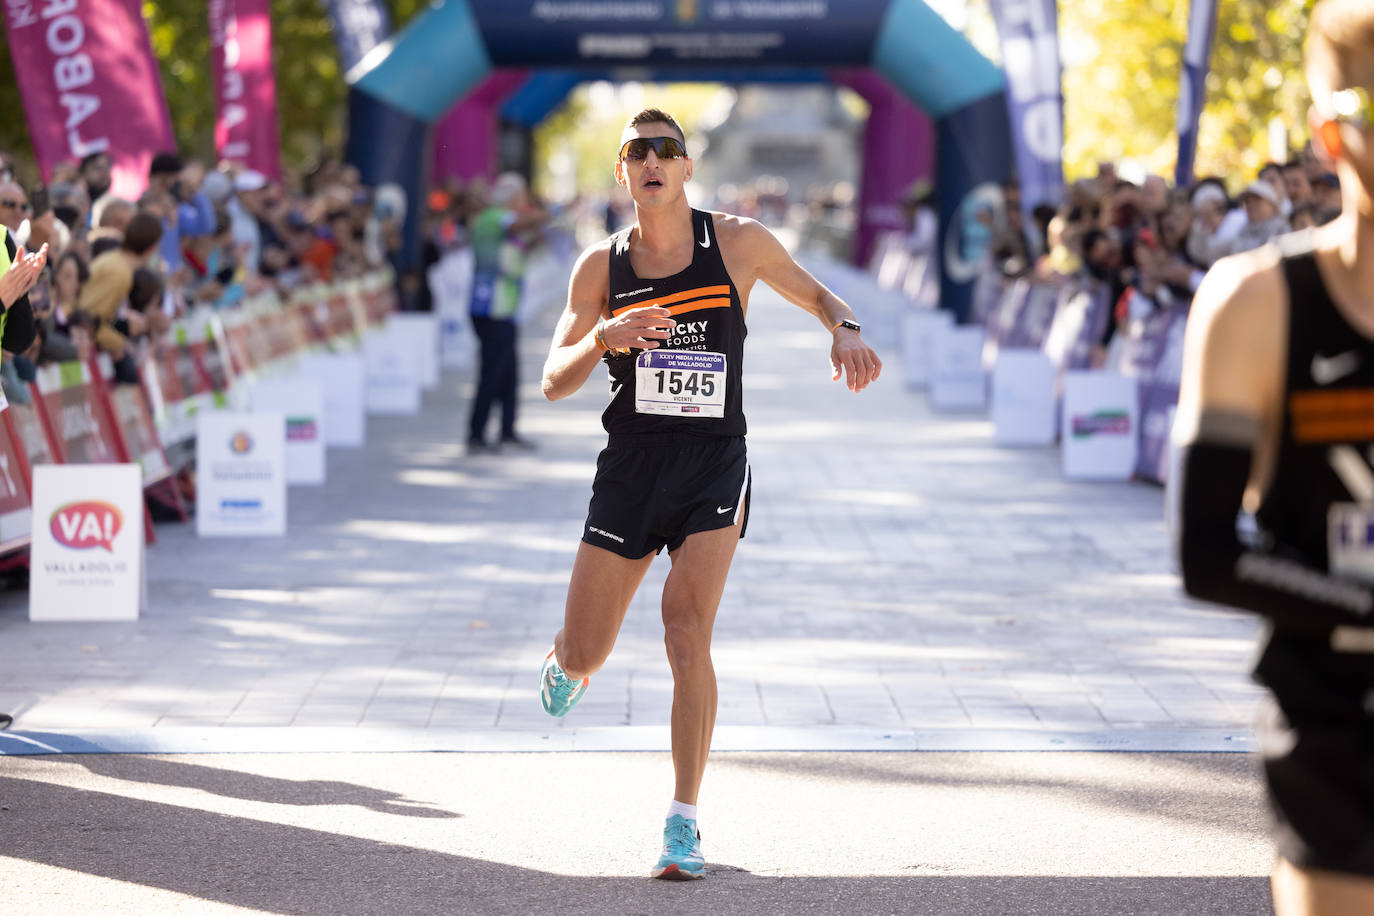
(414, 78)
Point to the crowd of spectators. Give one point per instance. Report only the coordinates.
(120, 270)
(1151, 243)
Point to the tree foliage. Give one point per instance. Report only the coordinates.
(1123, 63)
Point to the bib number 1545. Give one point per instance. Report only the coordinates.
(682, 383)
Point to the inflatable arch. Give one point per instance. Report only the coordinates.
(412, 80)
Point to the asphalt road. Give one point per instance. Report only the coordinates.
(938, 833)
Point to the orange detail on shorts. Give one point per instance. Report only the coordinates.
(1333, 416)
(669, 301)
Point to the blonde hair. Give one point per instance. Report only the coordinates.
(1340, 31)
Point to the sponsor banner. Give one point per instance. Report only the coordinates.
(1159, 396)
(1033, 319)
(29, 428)
(1028, 31)
(343, 378)
(82, 433)
(302, 401)
(15, 518)
(957, 381)
(423, 330)
(664, 33)
(919, 327)
(240, 474)
(393, 374)
(973, 147)
(135, 421)
(86, 560)
(89, 84)
(451, 281)
(1099, 419)
(359, 26)
(1192, 96)
(245, 87)
(1023, 398)
(1080, 320)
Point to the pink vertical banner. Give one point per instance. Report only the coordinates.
(89, 84)
(465, 138)
(245, 87)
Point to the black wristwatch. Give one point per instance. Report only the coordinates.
(846, 323)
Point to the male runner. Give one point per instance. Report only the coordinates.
(1276, 417)
(664, 303)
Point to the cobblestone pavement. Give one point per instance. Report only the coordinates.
(904, 582)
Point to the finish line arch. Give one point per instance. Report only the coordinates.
(412, 80)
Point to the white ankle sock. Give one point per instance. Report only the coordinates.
(687, 811)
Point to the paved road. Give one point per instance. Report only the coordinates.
(901, 576)
(934, 833)
(904, 585)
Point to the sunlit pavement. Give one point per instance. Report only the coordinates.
(904, 585)
(933, 833)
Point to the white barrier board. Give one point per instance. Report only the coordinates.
(957, 381)
(87, 560)
(301, 399)
(343, 379)
(451, 282)
(393, 373)
(423, 330)
(240, 474)
(1101, 416)
(919, 327)
(1023, 398)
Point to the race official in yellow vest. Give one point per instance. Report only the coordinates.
(18, 273)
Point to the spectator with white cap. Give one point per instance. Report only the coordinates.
(1264, 217)
(249, 189)
(1213, 232)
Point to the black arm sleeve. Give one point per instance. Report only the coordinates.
(1218, 567)
(19, 331)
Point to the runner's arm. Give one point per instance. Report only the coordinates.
(1229, 404)
(576, 350)
(849, 355)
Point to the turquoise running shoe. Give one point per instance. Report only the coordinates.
(558, 692)
(681, 859)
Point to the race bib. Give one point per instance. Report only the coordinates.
(1350, 541)
(680, 383)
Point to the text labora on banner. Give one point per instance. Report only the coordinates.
(89, 84)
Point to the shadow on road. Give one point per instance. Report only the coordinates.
(286, 869)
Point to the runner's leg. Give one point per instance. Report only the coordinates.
(486, 381)
(508, 385)
(690, 599)
(598, 597)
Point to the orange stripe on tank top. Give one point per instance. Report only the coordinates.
(1342, 415)
(669, 301)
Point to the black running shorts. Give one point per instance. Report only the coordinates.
(652, 494)
(1316, 737)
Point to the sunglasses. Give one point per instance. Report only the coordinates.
(1353, 107)
(637, 150)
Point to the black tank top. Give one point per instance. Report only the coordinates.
(1328, 416)
(1328, 427)
(710, 320)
